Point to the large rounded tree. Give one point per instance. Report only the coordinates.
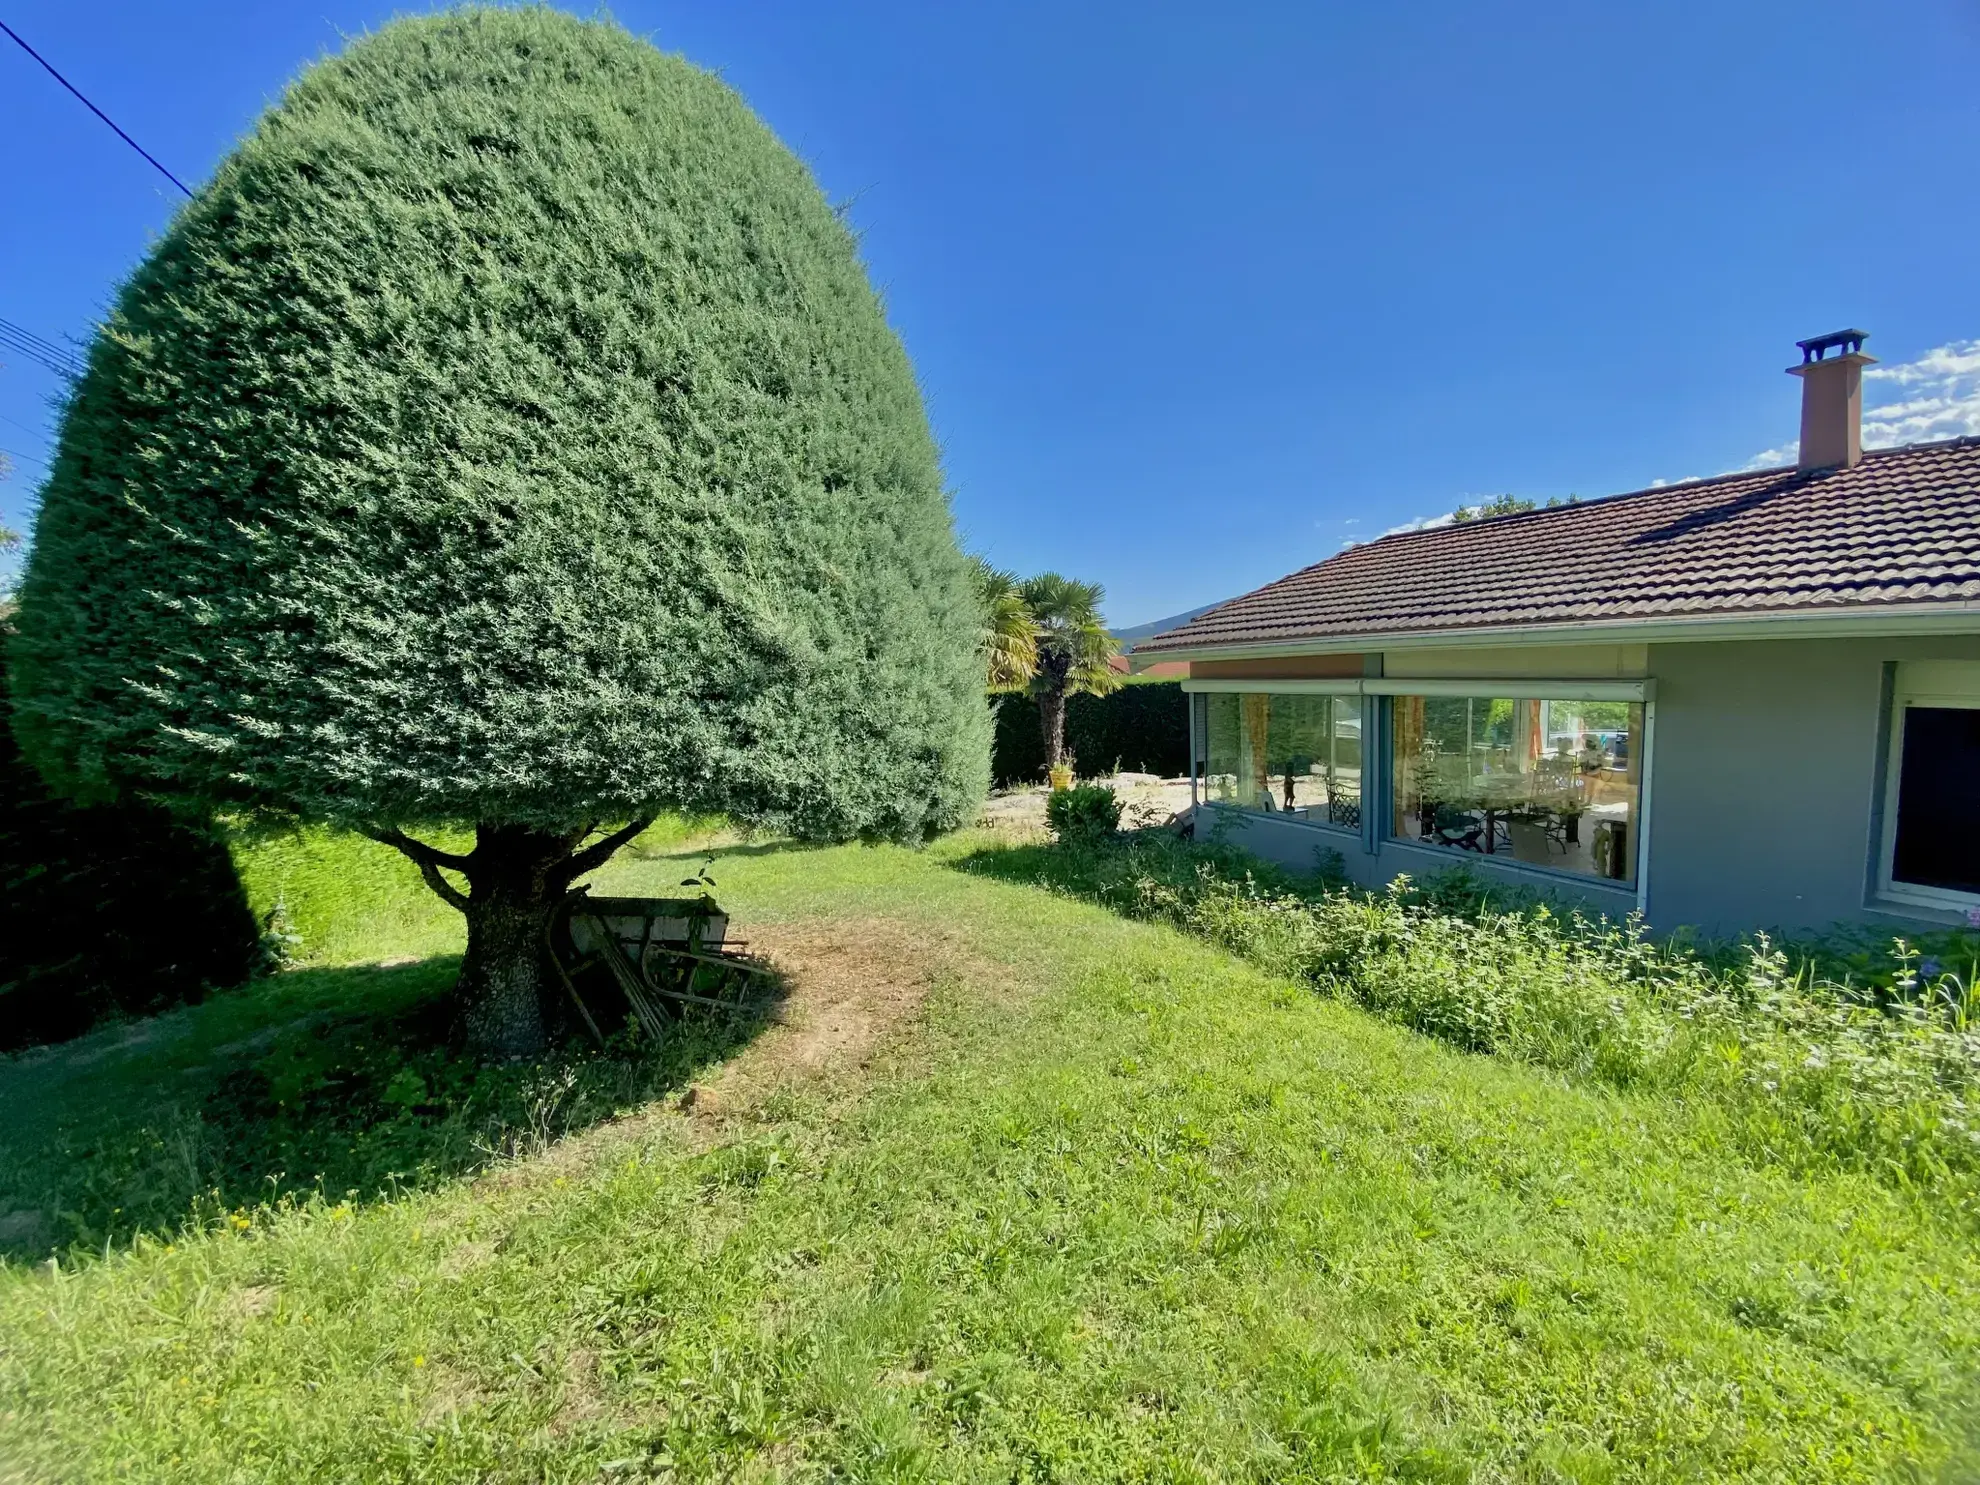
(507, 436)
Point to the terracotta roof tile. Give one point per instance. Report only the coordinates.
(1903, 526)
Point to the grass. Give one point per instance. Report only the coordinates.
(1116, 1204)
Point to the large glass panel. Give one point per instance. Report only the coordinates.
(1546, 783)
(1291, 755)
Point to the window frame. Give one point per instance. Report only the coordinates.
(1944, 684)
(1378, 695)
(1337, 691)
(1639, 694)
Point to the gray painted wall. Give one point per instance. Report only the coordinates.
(1766, 785)
(1765, 794)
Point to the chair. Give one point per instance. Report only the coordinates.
(1344, 807)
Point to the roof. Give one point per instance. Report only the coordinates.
(1900, 529)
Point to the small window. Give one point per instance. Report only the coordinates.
(1932, 799)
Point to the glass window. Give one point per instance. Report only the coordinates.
(1292, 755)
(1545, 783)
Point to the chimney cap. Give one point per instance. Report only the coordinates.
(1850, 341)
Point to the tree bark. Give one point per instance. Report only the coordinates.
(1052, 718)
(515, 883)
(518, 876)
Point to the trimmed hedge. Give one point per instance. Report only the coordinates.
(1141, 728)
(107, 908)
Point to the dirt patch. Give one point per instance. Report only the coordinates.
(850, 983)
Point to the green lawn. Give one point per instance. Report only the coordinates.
(1111, 1204)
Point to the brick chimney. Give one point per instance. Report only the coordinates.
(1832, 399)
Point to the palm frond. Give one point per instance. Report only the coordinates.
(1010, 633)
(1073, 641)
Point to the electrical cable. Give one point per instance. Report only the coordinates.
(94, 109)
(56, 358)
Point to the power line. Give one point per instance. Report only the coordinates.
(56, 358)
(36, 341)
(93, 108)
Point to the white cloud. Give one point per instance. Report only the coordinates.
(1421, 523)
(1942, 401)
(1787, 453)
(1959, 359)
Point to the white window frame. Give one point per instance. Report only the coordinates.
(1935, 683)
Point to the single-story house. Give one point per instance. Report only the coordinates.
(1750, 701)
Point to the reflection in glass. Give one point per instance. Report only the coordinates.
(1294, 755)
(1548, 783)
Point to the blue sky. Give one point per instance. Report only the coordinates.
(1199, 293)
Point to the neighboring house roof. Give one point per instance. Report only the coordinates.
(1899, 530)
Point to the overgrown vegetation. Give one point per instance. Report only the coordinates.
(1879, 1073)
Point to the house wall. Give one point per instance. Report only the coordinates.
(1765, 783)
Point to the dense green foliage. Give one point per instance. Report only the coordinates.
(1113, 1204)
(1880, 1074)
(1085, 813)
(508, 432)
(107, 908)
(1141, 728)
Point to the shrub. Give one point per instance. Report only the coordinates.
(1141, 728)
(1086, 812)
(107, 908)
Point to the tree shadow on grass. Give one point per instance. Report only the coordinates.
(330, 1082)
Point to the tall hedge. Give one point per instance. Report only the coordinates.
(1141, 728)
(507, 434)
(107, 908)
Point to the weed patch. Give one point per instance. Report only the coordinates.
(1877, 1073)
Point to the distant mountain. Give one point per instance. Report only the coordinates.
(1150, 630)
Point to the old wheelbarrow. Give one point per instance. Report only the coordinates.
(654, 951)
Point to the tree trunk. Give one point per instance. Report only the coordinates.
(516, 881)
(1052, 718)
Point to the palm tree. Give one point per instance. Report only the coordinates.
(1010, 637)
(1073, 648)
